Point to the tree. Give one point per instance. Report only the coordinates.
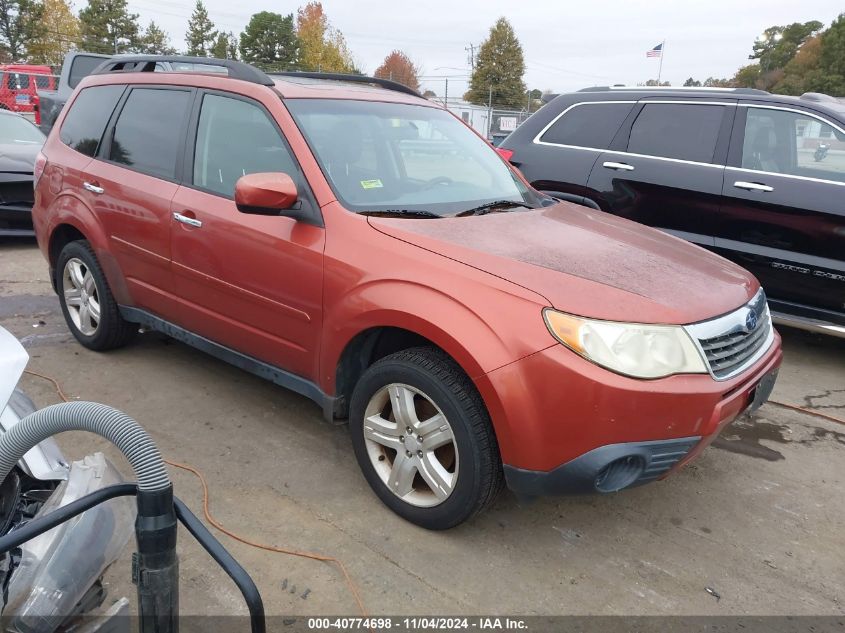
(397, 66)
(59, 35)
(692, 83)
(830, 75)
(155, 41)
(499, 68)
(269, 40)
(746, 77)
(107, 26)
(20, 24)
(779, 44)
(654, 82)
(226, 46)
(801, 69)
(430, 94)
(322, 47)
(715, 82)
(201, 34)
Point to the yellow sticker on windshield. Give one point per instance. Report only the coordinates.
(371, 184)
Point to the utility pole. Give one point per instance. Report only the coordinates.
(490, 111)
(471, 50)
(446, 93)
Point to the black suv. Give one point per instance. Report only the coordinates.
(758, 178)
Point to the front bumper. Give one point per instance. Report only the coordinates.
(566, 425)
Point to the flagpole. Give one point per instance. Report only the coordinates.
(660, 67)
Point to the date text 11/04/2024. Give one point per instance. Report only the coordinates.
(418, 623)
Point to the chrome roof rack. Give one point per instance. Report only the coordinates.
(147, 63)
(360, 79)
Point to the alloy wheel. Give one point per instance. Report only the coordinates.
(411, 445)
(81, 296)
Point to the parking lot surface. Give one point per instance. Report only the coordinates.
(759, 518)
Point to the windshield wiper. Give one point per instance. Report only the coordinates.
(399, 213)
(487, 207)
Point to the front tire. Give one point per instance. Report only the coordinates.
(423, 439)
(89, 308)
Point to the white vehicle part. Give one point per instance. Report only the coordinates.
(58, 567)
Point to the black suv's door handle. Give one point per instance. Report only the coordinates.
(618, 166)
(753, 186)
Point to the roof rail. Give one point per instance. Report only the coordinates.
(819, 96)
(753, 91)
(360, 79)
(147, 63)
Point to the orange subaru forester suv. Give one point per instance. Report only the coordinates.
(352, 241)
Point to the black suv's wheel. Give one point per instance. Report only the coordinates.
(423, 439)
(87, 302)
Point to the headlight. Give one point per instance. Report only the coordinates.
(633, 349)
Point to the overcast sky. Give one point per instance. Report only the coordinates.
(568, 44)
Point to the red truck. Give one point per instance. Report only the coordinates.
(346, 238)
(19, 84)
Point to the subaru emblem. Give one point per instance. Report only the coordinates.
(751, 321)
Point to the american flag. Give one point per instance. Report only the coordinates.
(657, 51)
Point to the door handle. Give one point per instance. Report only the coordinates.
(184, 219)
(92, 187)
(619, 166)
(752, 186)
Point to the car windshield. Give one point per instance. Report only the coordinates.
(405, 159)
(15, 129)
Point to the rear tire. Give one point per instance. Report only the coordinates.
(87, 302)
(447, 469)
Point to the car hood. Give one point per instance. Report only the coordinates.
(18, 157)
(587, 262)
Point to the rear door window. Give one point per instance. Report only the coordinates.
(89, 114)
(148, 134)
(589, 125)
(676, 130)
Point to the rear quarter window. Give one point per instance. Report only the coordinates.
(591, 125)
(88, 116)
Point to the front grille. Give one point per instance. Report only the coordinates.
(19, 192)
(732, 342)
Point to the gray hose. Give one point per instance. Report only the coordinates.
(117, 427)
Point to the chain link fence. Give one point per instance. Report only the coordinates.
(19, 86)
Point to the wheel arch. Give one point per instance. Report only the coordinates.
(73, 220)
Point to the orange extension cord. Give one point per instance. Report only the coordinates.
(219, 526)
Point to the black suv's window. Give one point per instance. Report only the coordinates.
(787, 142)
(588, 125)
(682, 131)
(89, 114)
(235, 138)
(148, 132)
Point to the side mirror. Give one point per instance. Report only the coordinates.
(267, 194)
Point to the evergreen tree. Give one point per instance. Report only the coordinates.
(107, 27)
(226, 46)
(269, 40)
(201, 35)
(155, 41)
(499, 69)
(20, 24)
